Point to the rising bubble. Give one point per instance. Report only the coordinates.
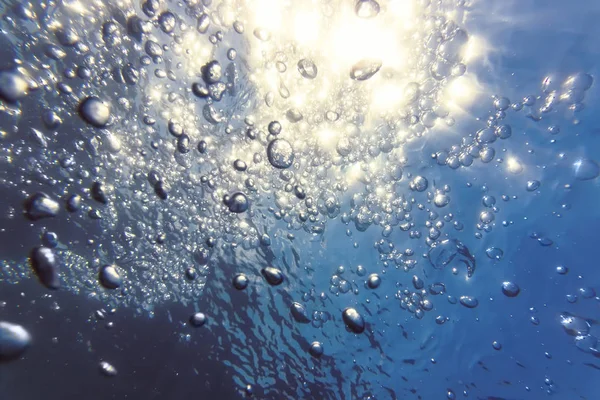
(14, 340)
(95, 112)
(366, 8)
(469, 301)
(198, 319)
(46, 265)
(316, 349)
(272, 275)
(373, 281)
(365, 69)
(510, 289)
(307, 68)
(40, 205)
(353, 320)
(585, 169)
(280, 153)
(13, 87)
(240, 281)
(494, 253)
(299, 313)
(107, 369)
(109, 277)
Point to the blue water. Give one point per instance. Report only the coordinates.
(251, 347)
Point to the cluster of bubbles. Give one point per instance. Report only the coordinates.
(339, 285)
(553, 97)
(416, 301)
(187, 130)
(185, 143)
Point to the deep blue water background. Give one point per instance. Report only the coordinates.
(251, 334)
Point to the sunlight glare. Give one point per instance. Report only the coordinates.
(268, 14)
(461, 92)
(475, 48)
(327, 138)
(306, 27)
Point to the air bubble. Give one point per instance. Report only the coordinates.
(238, 203)
(109, 277)
(501, 103)
(211, 72)
(503, 131)
(95, 111)
(486, 136)
(203, 23)
(562, 270)
(510, 289)
(585, 169)
(373, 281)
(272, 275)
(231, 54)
(486, 217)
(202, 146)
(262, 34)
(571, 298)
(183, 144)
(307, 68)
(469, 301)
(46, 265)
(419, 184)
(441, 200)
(198, 319)
(14, 341)
(40, 205)
(451, 50)
(238, 26)
(98, 193)
(73, 203)
(574, 325)
(361, 271)
(107, 369)
(240, 282)
(417, 282)
(532, 186)
(487, 154)
(494, 253)
(191, 274)
(365, 69)
(580, 81)
(239, 165)
(13, 87)
(167, 21)
(280, 154)
(366, 8)
(299, 313)
(50, 239)
(153, 49)
(316, 349)
(587, 292)
(488, 201)
(353, 320)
